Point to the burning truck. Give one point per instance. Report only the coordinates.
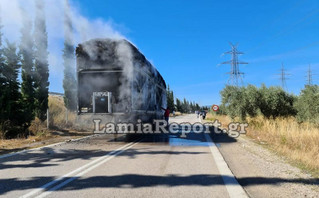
(116, 83)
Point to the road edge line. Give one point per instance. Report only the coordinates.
(234, 189)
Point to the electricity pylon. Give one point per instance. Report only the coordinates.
(283, 77)
(235, 74)
(309, 76)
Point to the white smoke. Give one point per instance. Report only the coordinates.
(125, 55)
(140, 75)
(83, 28)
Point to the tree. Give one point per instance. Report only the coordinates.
(307, 104)
(10, 98)
(170, 99)
(27, 68)
(179, 105)
(234, 101)
(185, 106)
(249, 101)
(2, 78)
(41, 62)
(221, 110)
(252, 99)
(69, 81)
(197, 107)
(240, 101)
(275, 102)
(192, 106)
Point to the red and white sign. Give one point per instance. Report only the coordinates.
(215, 107)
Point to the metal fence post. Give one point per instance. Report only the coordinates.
(66, 116)
(48, 117)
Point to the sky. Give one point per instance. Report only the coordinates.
(185, 40)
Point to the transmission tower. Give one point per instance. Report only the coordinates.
(235, 74)
(283, 77)
(309, 76)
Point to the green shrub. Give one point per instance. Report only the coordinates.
(250, 101)
(275, 102)
(234, 101)
(307, 104)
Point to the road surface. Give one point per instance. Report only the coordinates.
(102, 167)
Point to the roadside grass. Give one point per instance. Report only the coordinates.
(297, 142)
(60, 129)
(177, 113)
(59, 116)
(224, 120)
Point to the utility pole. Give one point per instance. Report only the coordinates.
(309, 76)
(283, 77)
(235, 74)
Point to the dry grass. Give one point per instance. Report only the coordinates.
(177, 113)
(299, 143)
(49, 137)
(59, 116)
(60, 130)
(224, 120)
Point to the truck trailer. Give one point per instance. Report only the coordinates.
(116, 83)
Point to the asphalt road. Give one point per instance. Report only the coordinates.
(101, 167)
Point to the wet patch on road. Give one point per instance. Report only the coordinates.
(192, 139)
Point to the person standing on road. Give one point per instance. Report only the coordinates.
(204, 115)
(166, 114)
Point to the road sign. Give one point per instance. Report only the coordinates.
(215, 107)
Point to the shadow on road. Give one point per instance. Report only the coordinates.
(139, 181)
(199, 137)
(45, 156)
(221, 137)
(249, 181)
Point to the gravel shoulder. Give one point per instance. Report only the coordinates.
(261, 172)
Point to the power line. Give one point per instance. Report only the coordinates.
(235, 74)
(282, 32)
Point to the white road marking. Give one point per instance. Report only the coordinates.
(235, 190)
(85, 168)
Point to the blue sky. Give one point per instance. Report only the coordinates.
(184, 39)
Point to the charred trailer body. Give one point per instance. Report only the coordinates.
(116, 83)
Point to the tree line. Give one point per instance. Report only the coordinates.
(24, 75)
(22, 100)
(271, 102)
(183, 106)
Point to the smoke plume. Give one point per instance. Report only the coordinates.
(14, 13)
